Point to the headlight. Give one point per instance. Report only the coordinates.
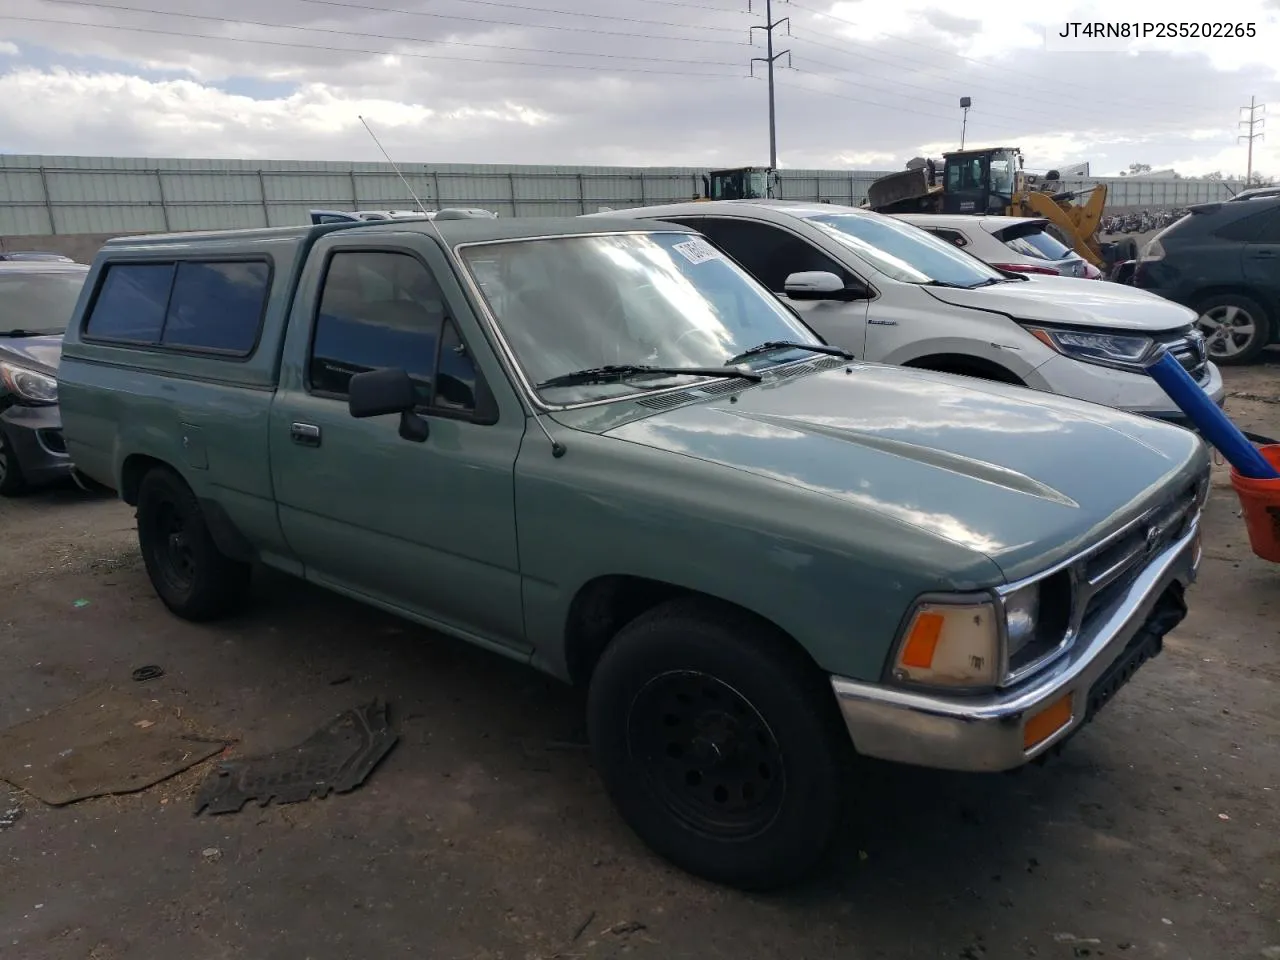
(1021, 616)
(1108, 349)
(953, 644)
(28, 385)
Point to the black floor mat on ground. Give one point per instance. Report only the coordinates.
(335, 759)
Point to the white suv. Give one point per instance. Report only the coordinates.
(892, 293)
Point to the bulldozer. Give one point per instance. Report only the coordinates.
(992, 181)
(740, 183)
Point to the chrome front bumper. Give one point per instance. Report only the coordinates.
(987, 733)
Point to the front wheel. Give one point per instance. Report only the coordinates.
(195, 579)
(720, 744)
(1236, 328)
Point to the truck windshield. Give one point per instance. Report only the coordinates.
(904, 252)
(668, 299)
(38, 302)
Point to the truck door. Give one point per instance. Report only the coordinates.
(771, 254)
(425, 528)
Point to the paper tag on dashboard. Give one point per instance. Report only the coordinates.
(697, 250)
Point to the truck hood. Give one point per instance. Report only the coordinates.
(1026, 479)
(37, 353)
(1068, 300)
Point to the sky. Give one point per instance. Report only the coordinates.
(862, 84)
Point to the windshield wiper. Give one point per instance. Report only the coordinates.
(769, 345)
(943, 283)
(16, 334)
(621, 371)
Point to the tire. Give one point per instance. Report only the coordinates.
(189, 573)
(720, 744)
(1235, 310)
(12, 482)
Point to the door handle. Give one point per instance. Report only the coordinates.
(1263, 255)
(305, 434)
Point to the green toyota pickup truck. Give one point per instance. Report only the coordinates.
(601, 448)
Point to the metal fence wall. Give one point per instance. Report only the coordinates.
(42, 196)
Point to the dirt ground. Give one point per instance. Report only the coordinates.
(486, 835)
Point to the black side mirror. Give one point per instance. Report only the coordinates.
(377, 393)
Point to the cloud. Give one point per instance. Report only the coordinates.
(617, 82)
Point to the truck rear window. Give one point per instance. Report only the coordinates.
(209, 306)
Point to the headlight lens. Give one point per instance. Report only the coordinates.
(28, 385)
(950, 644)
(1021, 616)
(1108, 349)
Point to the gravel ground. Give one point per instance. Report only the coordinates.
(485, 833)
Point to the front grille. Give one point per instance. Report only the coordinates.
(1087, 588)
(1104, 575)
(1188, 348)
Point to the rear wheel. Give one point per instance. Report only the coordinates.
(188, 571)
(1236, 328)
(720, 744)
(12, 482)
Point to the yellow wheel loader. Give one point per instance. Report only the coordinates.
(740, 183)
(991, 181)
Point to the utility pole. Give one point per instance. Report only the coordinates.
(1254, 121)
(768, 60)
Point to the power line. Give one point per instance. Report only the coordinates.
(1049, 87)
(769, 59)
(1000, 92)
(376, 53)
(370, 8)
(893, 107)
(1253, 121)
(382, 36)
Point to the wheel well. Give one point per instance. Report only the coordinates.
(136, 466)
(606, 604)
(965, 366)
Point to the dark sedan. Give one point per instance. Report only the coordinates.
(1223, 261)
(36, 301)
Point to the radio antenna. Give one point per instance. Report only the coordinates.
(557, 448)
(393, 164)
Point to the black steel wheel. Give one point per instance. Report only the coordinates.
(188, 571)
(720, 743)
(708, 753)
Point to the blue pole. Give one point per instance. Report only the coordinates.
(1212, 423)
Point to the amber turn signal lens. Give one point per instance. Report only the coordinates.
(923, 641)
(1043, 725)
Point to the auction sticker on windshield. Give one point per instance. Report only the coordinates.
(697, 250)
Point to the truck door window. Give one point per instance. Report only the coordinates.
(770, 254)
(380, 309)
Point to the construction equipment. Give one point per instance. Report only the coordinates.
(740, 183)
(992, 181)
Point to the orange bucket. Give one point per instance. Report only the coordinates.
(1260, 500)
